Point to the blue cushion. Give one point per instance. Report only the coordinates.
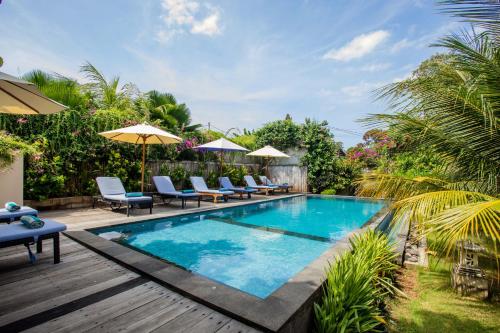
(133, 194)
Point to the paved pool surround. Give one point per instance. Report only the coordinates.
(287, 309)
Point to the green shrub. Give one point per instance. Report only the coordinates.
(330, 191)
(179, 176)
(356, 285)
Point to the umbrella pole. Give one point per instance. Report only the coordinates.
(266, 166)
(143, 163)
(221, 162)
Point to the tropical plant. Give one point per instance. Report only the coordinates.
(10, 146)
(452, 105)
(357, 284)
(281, 134)
(329, 191)
(107, 94)
(325, 167)
(164, 109)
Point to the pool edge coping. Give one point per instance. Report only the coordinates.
(272, 313)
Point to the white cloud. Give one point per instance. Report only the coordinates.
(402, 44)
(375, 67)
(361, 89)
(358, 47)
(180, 16)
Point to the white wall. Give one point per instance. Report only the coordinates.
(12, 182)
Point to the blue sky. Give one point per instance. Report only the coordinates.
(235, 63)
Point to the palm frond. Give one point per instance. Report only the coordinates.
(484, 13)
(473, 220)
(423, 207)
(389, 186)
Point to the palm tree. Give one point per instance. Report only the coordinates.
(451, 104)
(108, 93)
(57, 87)
(163, 107)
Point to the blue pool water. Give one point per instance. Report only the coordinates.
(222, 245)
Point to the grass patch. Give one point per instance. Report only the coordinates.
(432, 306)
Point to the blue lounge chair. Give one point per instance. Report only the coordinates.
(17, 234)
(252, 184)
(113, 192)
(200, 187)
(7, 216)
(166, 189)
(225, 183)
(266, 181)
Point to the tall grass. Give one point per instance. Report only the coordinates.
(356, 285)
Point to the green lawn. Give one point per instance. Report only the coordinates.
(434, 307)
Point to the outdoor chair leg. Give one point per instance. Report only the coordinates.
(57, 254)
(151, 208)
(249, 195)
(39, 246)
(199, 201)
(128, 207)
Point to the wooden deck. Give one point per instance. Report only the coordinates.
(89, 293)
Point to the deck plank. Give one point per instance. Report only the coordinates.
(149, 316)
(93, 315)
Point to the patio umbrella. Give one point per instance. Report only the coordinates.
(142, 134)
(221, 145)
(268, 152)
(22, 97)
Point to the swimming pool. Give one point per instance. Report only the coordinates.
(255, 248)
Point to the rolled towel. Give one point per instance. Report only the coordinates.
(187, 191)
(133, 194)
(225, 190)
(248, 188)
(12, 206)
(32, 222)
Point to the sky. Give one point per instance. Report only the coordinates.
(236, 64)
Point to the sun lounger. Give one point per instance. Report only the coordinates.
(113, 192)
(225, 183)
(266, 181)
(252, 184)
(16, 234)
(200, 187)
(7, 216)
(166, 189)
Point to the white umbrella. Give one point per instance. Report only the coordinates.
(143, 134)
(22, 97)
(268, 152)
(221, 145)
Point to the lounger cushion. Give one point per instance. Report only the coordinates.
(5, 215)
(110, 185)
(165, 187)
(124, 199)
(14, 231)
(225, 182)
(180, 194)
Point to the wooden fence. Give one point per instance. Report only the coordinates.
(292, 174)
